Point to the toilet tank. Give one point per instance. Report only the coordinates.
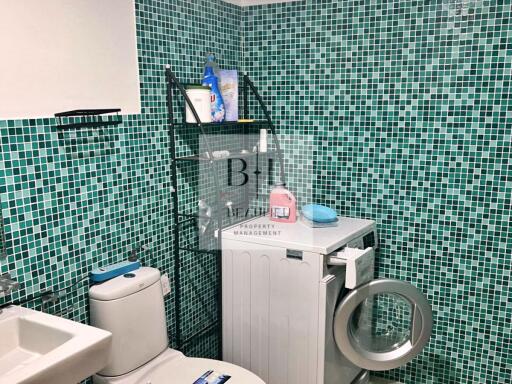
(131, 307)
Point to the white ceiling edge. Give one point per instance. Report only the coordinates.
(247, 3)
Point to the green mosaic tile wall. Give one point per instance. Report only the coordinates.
(66, 215)
(404, 107)
(401, 108)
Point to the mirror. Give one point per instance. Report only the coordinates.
(67, 55)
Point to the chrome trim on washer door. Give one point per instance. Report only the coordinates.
(403, 352)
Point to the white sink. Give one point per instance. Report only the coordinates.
(37, 348)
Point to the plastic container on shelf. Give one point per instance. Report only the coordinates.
(283, 205)
(199, 95)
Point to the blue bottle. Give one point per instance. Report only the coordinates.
(211, 79)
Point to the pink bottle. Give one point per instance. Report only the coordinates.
(283, 205)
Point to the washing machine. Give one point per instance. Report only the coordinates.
(301, 304)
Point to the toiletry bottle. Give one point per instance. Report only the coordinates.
(263, 141)
(211, 79)
(204, 214)
(283, 205)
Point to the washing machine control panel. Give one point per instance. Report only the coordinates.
(365, 241)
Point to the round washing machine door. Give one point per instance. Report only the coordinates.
(382, 324)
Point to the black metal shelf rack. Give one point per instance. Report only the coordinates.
(181, 219)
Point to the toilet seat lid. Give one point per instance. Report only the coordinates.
(187, 370)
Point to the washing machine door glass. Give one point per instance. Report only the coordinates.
(382, 324)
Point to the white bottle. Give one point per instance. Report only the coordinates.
(263, 140)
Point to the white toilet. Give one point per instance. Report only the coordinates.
(131, 307)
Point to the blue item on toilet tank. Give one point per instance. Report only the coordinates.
(319, 213)
(211, 79)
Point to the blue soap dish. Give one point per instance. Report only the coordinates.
(319, 213)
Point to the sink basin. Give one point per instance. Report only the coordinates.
(37, 348)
